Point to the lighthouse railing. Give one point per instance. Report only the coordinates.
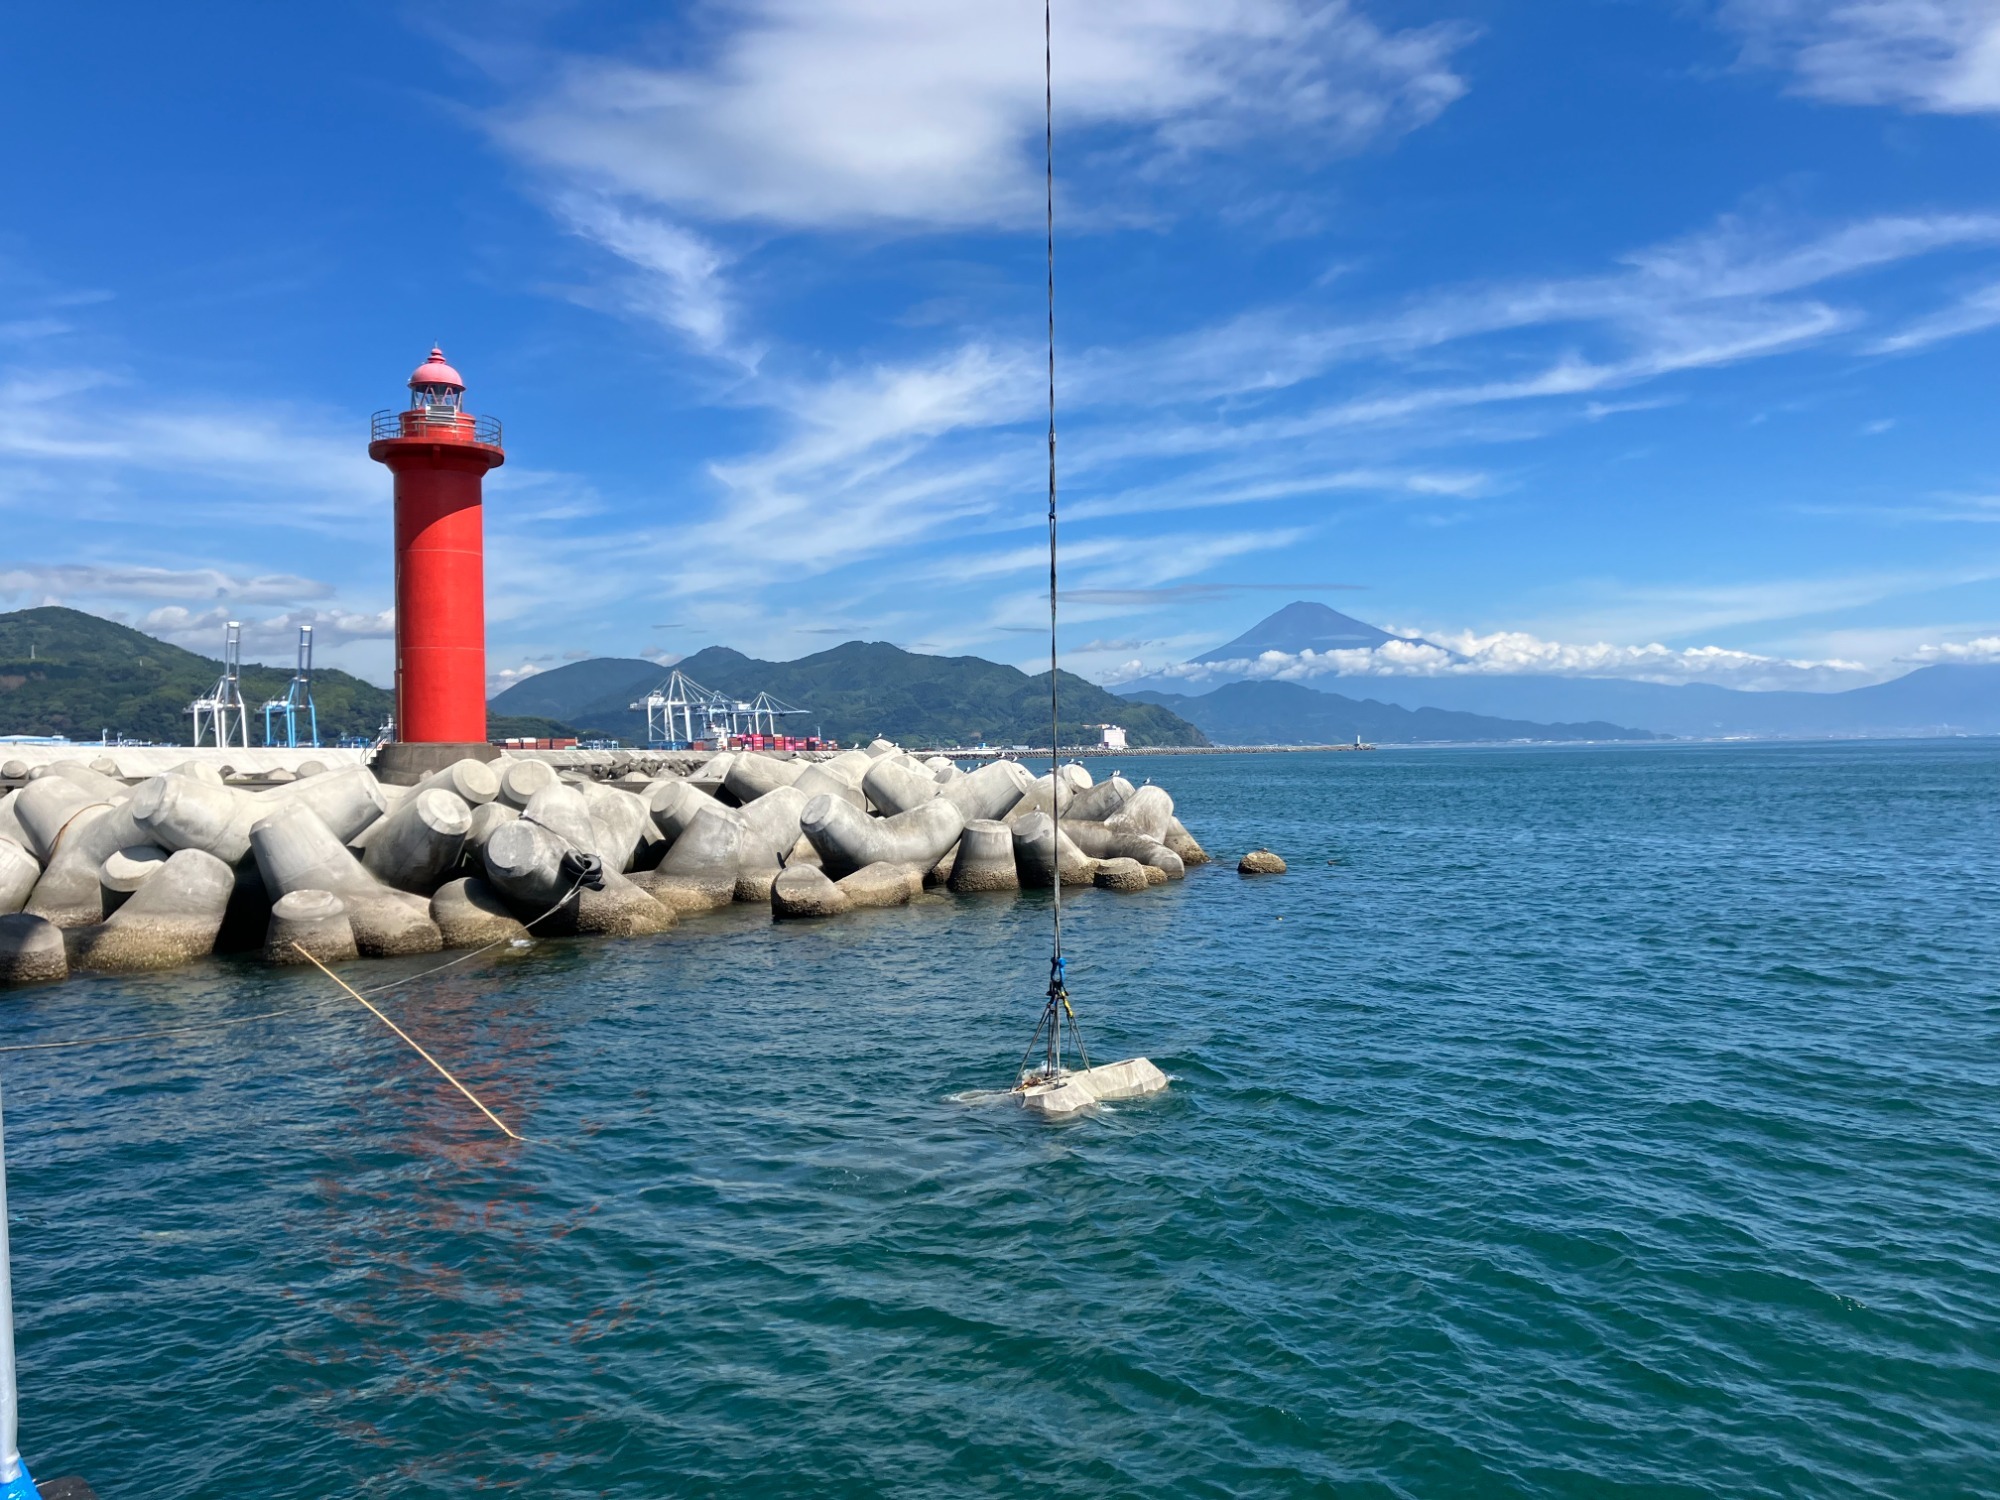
(434, 422)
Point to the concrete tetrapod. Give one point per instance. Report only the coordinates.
(31, 951)
(801, 891)
(45, 808)
(752, 776)
(673, 805)
(125, 870)
(417, 846)
(470, 914)
(10, 825)
(14, 770)
(473, 782)
(882, 884)
(699, 872)
(989, 792)
(1183, 843)
(1095, 804)
(1035, 855)
(621, 818)
(560, 808)
(70, 892)
(313, 920)
(18, 874)
(819, 781)
(985, 858)
(892, 787)
(485, 819)
(524, 864)
(713, 774)
(98, 786)
(170, 920)
(297, 852)
(1148, 811)
(521, 779)
(849, 840)
(1121, 875)
(770, 830)
(1105, 841)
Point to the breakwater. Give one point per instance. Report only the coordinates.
(327, 863)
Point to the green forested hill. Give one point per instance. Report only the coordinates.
(65, 672)
(857, 691)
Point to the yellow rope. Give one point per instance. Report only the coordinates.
(446, 1072)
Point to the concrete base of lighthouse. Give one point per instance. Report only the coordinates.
(400, 763)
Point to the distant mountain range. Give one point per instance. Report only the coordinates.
(1945, 699)
(855, 692)
(68, 673)
(1283, 713)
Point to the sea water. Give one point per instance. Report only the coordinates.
(1566, 1122)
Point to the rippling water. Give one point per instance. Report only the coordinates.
(1571, 1122)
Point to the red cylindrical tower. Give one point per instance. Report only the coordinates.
(439, 453)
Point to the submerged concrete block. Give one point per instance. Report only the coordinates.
(1260, 862)
(801, 891)
(1121, 875)
(31, 951)
(621, 909)
(170, 920)
(985, 859)
(469, 913)
(18, 873)
(1184, 844)
(849, 840)
(313, 920)
(417, 846)
(1104, 841)
(1035, 855)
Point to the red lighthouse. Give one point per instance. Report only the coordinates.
(439, 453)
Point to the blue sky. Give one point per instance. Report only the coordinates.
(1644, 337)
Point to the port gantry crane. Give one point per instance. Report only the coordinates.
(675, 707)
(298, 699)
(221, 714)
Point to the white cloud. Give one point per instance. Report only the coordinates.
(275, 636)
(1984, 650)
(1933, 56)
(1975, 312)
(683, 287)
(846, 113)
(89, 579)
(1517, 653)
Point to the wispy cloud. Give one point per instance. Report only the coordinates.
(910, 114)
(1934, 56)
(92, 580)
(1975, 312)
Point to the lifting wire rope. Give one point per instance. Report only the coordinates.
(1057, 1011)
(588, 871)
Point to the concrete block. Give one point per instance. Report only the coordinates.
(469, 913)
(985, 859)
(849, 840)
(19, 871)
(1035, 855)
(31, 951)
(1121, 875)
(171, 920)
(314, 920)
(801, 891)
(418, 846)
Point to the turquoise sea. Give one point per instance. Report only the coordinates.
(1568, 1122)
